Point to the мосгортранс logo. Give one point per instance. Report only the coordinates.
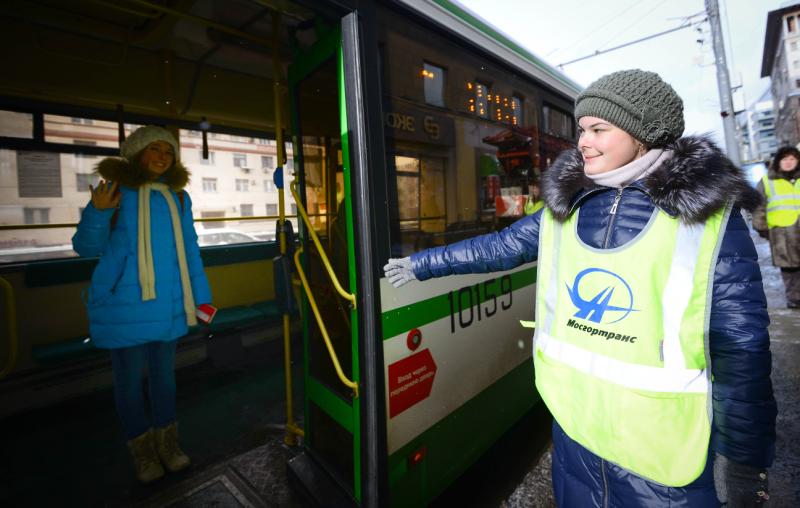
(613, 302)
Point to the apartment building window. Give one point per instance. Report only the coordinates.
(36, 215)
(213, 215)
(294, 209)
(209, 161)
(272, 209)
(240, 160)
(84, 180)
(433, 84)
(793, 45)
(267, 162)
(242, 185)
(790, 24)
(209, 185)
(84, 121)
(269, 185)
(246, 209)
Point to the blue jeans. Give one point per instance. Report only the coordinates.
(128, 366)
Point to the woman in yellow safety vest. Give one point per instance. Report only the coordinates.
(534, 201)
(777, 219)
(651, 347)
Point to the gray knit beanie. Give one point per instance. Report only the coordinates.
(143, 136)
(636, 101)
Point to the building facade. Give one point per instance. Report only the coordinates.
(761, 142)
(781, 62)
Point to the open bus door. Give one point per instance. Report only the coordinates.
(343, 457)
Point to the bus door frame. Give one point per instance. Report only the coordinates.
(362, 130)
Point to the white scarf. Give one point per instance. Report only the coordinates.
(147, 275)
(634, 170)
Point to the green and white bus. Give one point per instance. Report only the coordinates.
(376, 128)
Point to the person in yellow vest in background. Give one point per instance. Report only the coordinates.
(534, 203)
(651, 348)
(777, 220)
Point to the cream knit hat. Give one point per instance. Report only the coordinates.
(143, 136)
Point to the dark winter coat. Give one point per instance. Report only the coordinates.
(697, 181)
(783, 242)
(117, 315)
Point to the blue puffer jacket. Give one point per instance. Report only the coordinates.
(693, 184)
(117, 315)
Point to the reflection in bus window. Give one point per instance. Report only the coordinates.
(462, 165)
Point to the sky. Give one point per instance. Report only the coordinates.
(558, 31)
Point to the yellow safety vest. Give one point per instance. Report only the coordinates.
(620, 346)
(783, 201)
(531, 206)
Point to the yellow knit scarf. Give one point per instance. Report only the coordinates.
(147, 276)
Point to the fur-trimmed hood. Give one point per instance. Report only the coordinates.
(132, 175)
(774, 173)
(696, 182)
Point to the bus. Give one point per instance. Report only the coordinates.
(323, 138)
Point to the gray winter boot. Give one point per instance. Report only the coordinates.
(168, 450)
(145, 458)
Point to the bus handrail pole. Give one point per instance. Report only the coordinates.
(313, 303)
(301, 211)
(292, 429)
(13, 339)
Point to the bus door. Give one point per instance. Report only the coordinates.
(334, 460)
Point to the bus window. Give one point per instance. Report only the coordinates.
(462, 165)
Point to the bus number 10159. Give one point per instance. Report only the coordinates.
(467, 301)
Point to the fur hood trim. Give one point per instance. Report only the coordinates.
(696, 182)
(773, 173)
(132, 175)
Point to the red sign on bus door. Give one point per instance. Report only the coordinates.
(410, 381)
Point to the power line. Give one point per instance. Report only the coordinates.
(659, 34)
(593, 31)
(635, 22)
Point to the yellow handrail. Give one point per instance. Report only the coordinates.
(13, 340)
(321, 324)
(302, 212)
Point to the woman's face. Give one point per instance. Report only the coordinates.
(788, 163)
(605, 147)
(157, 157)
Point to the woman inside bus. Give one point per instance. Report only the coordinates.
(778, 220)
(641, 234)
(144, 290)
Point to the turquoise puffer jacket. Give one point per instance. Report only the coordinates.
(117, 315)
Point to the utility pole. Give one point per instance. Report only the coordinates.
(723, 83)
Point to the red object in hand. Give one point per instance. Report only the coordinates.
(206, 313)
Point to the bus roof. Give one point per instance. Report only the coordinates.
(463, 22)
